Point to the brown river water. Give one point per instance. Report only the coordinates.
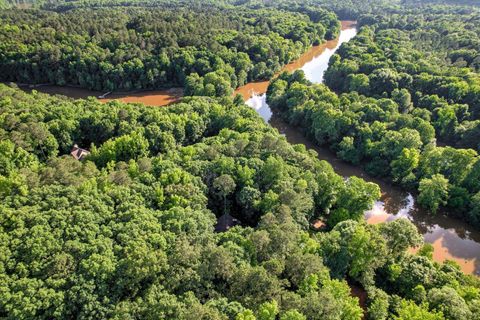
(452, 239)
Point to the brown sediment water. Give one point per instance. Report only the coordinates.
(307, 62)
(149, 98)
(451, 238)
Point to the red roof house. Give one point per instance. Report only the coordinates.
(79, 153)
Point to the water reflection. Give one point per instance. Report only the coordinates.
(315, 69)
(314, 63)
(259, 103)
(451, 238)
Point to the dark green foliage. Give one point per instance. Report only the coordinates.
(385, 135)
(422, 60)
(209, 50)
(128, 232)
(131, 227)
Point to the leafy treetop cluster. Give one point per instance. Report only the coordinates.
(385, 136)
(128, 232)
(143, 48)
(433, 67)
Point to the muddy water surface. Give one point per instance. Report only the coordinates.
(150, 97)
(452, 239)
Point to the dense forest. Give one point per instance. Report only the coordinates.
(207, 50)
(390, 143)
(201, 210)
(403, 100)
(449, 2)
(129, 232)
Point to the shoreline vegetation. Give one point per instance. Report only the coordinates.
(202, 210)
(386, 119)
(165, 96)
(208, 52)
(175, 192)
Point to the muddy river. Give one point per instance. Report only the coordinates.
(452, 239)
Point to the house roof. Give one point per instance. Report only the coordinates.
(79, 153)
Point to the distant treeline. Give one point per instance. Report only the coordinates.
(138, 48)
(449, 2)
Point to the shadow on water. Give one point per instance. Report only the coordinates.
(148, 97)
(452, 239)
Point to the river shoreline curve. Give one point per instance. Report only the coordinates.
(452, 239)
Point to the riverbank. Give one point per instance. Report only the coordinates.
(309, 57)
(452, 239)
(160, 97)
(150, 98)
(165, 97)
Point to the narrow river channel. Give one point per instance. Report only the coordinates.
(452, 239)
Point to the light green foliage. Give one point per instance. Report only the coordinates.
(340, 290)
(403, 98)
(132, 146)
(309, 284)
(433, 192)
(475, 208)
(447, 301)
(246, 315)
(359, 83)
(133, 236)
(224, 185)
(347, 150)
(378, 304)
(292, 315)
(426, 251)
(400, 235)
(356, 249)
(355, 199)
(403, 167)
(408, 310)
(268, 311)
(129, 232)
